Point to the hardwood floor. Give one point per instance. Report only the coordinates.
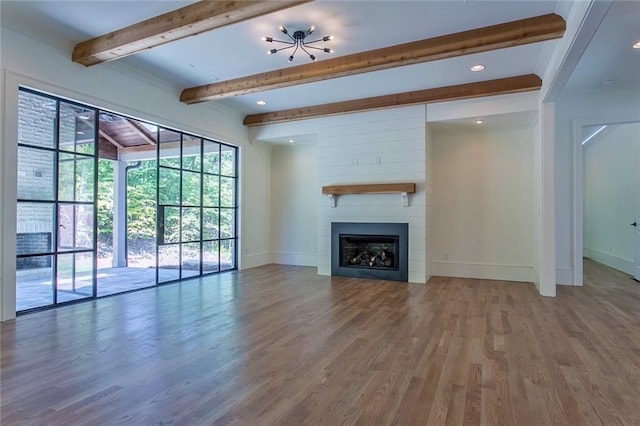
(281, 345)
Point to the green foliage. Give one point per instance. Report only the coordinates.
(141, 201)
(217, 191)
(105, 201)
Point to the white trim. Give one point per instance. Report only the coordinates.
(564, 276)
(547, 219)
(486, 271)
(256, 259)
(9, 196)
(583, 19)
(624, 265)
(294, 258)
(578, 182)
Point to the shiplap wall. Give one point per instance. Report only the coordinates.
(374, 147)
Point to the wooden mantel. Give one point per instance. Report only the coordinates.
(403, 189)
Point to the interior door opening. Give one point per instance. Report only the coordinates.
(611, 196)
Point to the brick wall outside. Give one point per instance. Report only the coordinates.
(35, 169)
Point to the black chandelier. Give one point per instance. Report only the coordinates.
(298, 41)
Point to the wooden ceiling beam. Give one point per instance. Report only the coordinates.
(523, 83)
(133, 125)
(190, 20)
(509, 34)
(109, 139)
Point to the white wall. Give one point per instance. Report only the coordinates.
(609, 196)
(45, 65)
(255, 234)
(483, 202)
(607, 106)
(294, 207)
(373, 147)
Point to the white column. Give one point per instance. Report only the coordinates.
(546, 243)
(119, 214)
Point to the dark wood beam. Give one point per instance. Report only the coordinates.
(509, 34)
(184, 22)
(523, 83)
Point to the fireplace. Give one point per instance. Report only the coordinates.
(370, 250)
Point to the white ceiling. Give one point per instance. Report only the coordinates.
(237, 51)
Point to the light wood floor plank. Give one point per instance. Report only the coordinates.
(282, 345)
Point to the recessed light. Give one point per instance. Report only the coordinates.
(636, 45)
(479, 121)
(261, 102)
(477, 67)
(290, 140)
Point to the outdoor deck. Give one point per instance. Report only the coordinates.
(34, 289)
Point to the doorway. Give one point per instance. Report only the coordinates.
(611, 195)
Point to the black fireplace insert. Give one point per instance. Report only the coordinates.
(370, 250)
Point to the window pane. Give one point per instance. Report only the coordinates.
(211, 161)
(35, 174)
(75, 227)
(169, 225)
(227, 223)
(190, 224)
(168, 261)
(210, 190)
(210, 257)
(34, 228)
(210, 224)
(169, 148)
(228, 161)
(190, 260)
(227, 254)
(191, 159)
(141, 216)
(75, 178)
(227, 192)
(75, 275)
(169, 190)
(77, 129)
(190, 189)
(37, 118)
(34, 282)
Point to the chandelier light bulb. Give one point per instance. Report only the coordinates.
(283, 29)
(291, 58)
(272, 51)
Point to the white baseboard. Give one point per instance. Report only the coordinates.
(624, 265)
(255, 259)
(483, 271)
(535, 278)
(294, 258)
